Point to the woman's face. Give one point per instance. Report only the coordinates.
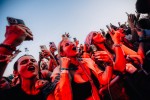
(69, 49)
(27, 67)
(98, 37)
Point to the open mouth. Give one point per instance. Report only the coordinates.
(74, 48)
(31, 68)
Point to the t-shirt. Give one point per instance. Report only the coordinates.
(16, 93)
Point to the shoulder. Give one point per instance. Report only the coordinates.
(10, 93)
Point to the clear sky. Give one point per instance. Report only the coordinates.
(49, 19)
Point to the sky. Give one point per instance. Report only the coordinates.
(49, 19)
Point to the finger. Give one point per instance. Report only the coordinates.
(112, 32)
(101, 57)
(102, 60)
(100, 53)
(132, 17)
(127, 13)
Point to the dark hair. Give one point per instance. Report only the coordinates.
(144, 23)
(143, 6)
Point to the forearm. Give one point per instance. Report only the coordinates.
(3, 66)
(120, 59)
(141, 50)
(4, 57)
(65, 87)
(106, 76)
(128, 51)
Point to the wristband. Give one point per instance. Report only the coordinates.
(142, 39)
(64, 71)
(70, 68)
(64, 68)
(9, 47)
(117, 45)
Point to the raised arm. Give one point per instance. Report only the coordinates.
(14, 36)
(120, 61)
(64, 84)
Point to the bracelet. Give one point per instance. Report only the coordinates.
(64, 68)
(7, 46)
(117, 45)
(64, 71)
(142, 39)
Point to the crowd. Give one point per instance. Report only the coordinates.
(112, 65)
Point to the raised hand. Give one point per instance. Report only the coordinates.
(16, 34)
(131, 20)
(65, 62)
(102, 56)
(116, 35)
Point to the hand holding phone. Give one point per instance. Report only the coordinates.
(52, 46)
(20, 23)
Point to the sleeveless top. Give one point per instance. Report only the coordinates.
(81, 91)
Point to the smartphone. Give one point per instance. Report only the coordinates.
(14, 21)
(74, 39)
(52, 44)
(43, 47)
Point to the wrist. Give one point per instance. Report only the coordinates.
(117, 42)
(4, 57)
(142, 39)
(9, 41)
(117, 45)
(64, 70)
(8, 47)
(5, 51)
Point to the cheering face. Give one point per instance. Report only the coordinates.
(69, 48)
(98, 38)
(27, 67)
